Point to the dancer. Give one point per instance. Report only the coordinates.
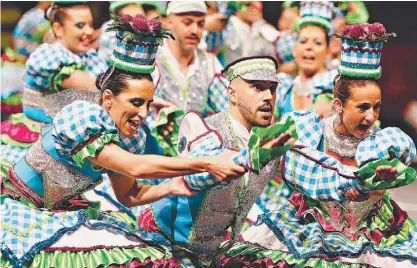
(199, 224)
(44, 221)
(310, 52)
(187, 78)
(52, 68)
(342, 227)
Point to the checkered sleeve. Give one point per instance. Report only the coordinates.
(319, 176)
(218, 101)
(387, 143)
(134, 144)
(81, 129)
(207, 146)
(48, 66)
(284, 45)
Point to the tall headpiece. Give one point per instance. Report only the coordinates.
(361, 50)
(260, 68)
(137, 42)
(317, 13)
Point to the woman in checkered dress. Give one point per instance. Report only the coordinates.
(51, 68)
(46, 223)
(341, 226)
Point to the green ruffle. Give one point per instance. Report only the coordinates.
(275, 255)
(92, 149)
(5, 139)
(165, 116)
(367, 175)
(15, 99)
(4, 167)
(260, 156)
(20, 118)
(93, 258)
(64, 73)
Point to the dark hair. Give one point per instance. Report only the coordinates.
(325, 32)
(343, 84)
(56, 13)
(115, 79)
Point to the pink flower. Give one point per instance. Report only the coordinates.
(154, 25)
(357, 32)
(377, 28)
(140, 23)
(346, 30)
(126, 18)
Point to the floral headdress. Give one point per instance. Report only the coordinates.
(361, 49)
(138, 39)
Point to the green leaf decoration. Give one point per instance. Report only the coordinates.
(260, 156)
(367, 174)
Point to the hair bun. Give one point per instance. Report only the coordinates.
(99, 81)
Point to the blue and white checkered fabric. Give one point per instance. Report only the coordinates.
(285, 44)
(210, 145)
(386, 142)
(78, 122)
(11, 153)
(273, 196)
(26, 230)
(359, 59)
(309, 128)
(24, 30)
(213, 40)
(107, 42)
(305, 241)
(135, 144)
(323, 9)
(285, 84)
(318, 182)
(49, 59)
(218, 101)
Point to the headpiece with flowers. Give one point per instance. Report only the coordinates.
(361, 49)
(137, 42)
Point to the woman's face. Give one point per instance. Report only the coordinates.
(130, 108)
(76, 31)
(310, 50)
(361, 109)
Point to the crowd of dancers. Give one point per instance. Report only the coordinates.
(195, 134)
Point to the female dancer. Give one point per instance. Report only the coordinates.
(328, 228)
(50, 69)
(44, 221)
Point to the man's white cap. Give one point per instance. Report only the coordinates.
(178, 7)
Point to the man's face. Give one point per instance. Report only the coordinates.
(255, 100)
(187, 29)
(253, 11)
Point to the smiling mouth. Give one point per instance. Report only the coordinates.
(309, 58)
(134, 125)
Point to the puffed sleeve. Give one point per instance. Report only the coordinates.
(388, 147)
(82, 129)
(49, 65)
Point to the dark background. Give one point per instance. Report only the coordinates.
(399, 60)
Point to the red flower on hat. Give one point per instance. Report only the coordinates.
(126, 18)
(154, 25)
(140, 23)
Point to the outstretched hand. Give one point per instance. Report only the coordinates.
(386, 173)
(223, 168)
(283, 139)
(354, 195)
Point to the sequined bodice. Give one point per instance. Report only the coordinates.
(345, 216)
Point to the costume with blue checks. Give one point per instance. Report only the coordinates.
(46, 69)
(40, 205)
(28, 34)
(322, 223)
(320, 83)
